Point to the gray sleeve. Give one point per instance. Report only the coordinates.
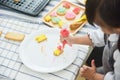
(114, 75)
(97, 37)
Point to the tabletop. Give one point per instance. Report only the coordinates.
(11, 65)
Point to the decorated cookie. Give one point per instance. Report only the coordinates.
(76, 10)
(78, 22)
(57, 52)
(70, 15)
(40, 38)
(53, 14)
(60, 24)
(61, 11)
(47, 18)
(66, 5)
(55, 20)
(75, 25)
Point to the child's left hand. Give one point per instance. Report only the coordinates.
(88, 72)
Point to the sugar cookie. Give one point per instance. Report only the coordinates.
(60, 24)
(75, 25)
(76, 10)
(70, 15)
(40, 38)
(61, 11)
(57, 52)
(47, 18)
(53, 14)
(55, 20)
(66, 5)
(14, 36)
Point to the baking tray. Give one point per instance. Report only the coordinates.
(64, 21)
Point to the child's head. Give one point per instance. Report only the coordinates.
(105, 13)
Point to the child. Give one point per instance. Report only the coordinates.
(106, 15)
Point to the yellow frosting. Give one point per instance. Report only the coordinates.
(57, 52)
(41, 38)
(47, 18)
(83, 18)
(60, 23)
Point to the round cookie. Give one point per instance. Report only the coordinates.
(55, 20)
(76, 10)
(66, 5)
(70, 15)
(61, 11)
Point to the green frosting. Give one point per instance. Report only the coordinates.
(55, 20)
(61, 10)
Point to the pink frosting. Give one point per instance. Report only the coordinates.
(53, 14)
(66, 5)
(64, 33)
(59, 47)
(76, 10)
(70, 15)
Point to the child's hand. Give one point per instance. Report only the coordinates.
(88, 72)
(68, 39)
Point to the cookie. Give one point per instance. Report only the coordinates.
(53, 14)
(76, 10)
(0, 33)
(70, 15)
(78, 22)
(47, 18)
(14, 36)
(61, 11)
(75, 25)
(66, 5)
(60, 24)
(41, 38)
(57, 52)
(55, 20)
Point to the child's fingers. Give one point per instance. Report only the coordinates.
(81, 72)
(85, 67)
(93, 64)
(61, 39)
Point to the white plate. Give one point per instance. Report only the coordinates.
(39, 56)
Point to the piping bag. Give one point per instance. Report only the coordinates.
(64, 33)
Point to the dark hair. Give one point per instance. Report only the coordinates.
(108, 10)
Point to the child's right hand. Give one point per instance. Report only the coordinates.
(68, 39)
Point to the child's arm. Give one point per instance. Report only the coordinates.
(85, 40)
